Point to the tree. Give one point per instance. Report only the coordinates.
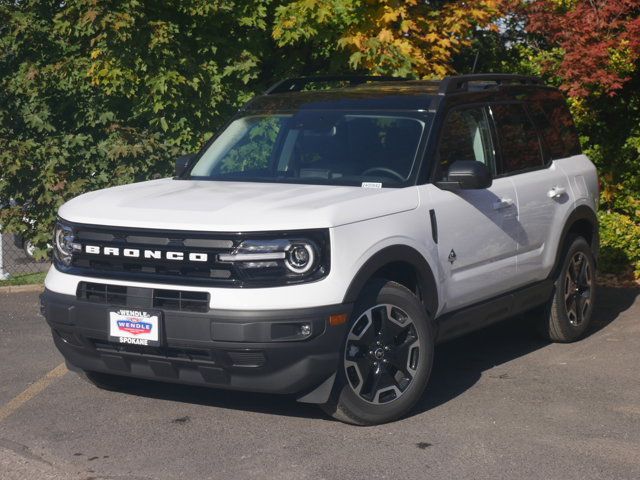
(403, 38)
(591, 50)
(599, 41)
(99, 93)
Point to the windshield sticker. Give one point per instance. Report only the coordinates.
(371, 185)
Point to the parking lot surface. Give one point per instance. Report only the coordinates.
(500, 404)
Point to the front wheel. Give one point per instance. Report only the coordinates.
(29, 250)
(568, 314)
(386, 357)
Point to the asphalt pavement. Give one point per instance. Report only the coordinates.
(500, 404)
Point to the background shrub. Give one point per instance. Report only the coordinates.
(99, 93)
(619, 243)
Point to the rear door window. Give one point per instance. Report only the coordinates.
(519, 143)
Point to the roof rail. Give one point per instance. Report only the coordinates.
(461, 82)
(298, 83)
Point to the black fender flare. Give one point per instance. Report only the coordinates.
(582, 212)
(392, 254)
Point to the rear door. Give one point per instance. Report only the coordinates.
(542, 189)
(477, 229)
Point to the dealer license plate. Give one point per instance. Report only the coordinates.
(134, 327)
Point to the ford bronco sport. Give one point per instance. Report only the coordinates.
(327, 239)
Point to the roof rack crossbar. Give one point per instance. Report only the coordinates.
(299, 83)
(461, 82)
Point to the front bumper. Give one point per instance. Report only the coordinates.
(240, 350)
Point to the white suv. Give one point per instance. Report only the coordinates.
(326, 240)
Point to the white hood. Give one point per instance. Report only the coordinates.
(234, 206)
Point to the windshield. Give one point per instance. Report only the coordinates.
(337, 148)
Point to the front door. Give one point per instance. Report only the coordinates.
(477, 229)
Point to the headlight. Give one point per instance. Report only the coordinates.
(288, 259)
(64, 244)
(300, 257)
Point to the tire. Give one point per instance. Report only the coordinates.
(568, 315)
(29, 250)
(380, 382)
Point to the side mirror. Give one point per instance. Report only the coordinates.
(467, 175)
(183, 163)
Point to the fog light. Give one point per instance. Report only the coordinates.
(305, 329)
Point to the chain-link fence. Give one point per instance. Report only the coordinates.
(16, 258)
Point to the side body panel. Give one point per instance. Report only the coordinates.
(545, 200)
(583, 181)
(477, 241)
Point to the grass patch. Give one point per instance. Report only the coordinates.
(28, 279)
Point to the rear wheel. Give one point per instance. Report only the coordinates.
(386, 357)
(569, 312)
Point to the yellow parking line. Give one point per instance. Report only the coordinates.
(33, 390)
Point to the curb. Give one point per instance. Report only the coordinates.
(36, 287)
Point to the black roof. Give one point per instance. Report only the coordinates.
(386, 93)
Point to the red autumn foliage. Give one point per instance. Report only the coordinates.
(590, 32)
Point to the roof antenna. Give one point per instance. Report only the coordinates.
(475, 61)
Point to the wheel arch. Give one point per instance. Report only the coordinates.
(398, 263)
(583, 222)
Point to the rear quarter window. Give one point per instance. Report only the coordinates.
(553, 119)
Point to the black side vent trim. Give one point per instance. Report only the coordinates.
(434, 225)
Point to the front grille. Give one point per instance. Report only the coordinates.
(184, 258)
(102, 293)
(122, 296)
(151, 268)
(222, 358)
(187, 355)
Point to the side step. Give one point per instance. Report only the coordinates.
(475, 317)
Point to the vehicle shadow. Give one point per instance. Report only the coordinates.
(458, 365)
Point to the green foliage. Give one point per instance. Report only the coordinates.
(610, 134)
(94, 94)
(253, 151)
(29, 279)
(409, 38)
(619, 243)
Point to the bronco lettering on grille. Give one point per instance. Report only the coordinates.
(137, 253)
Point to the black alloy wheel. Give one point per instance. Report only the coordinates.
(386, 357)
(382, 353)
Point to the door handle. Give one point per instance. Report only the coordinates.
(503, 203)
(556, 192)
